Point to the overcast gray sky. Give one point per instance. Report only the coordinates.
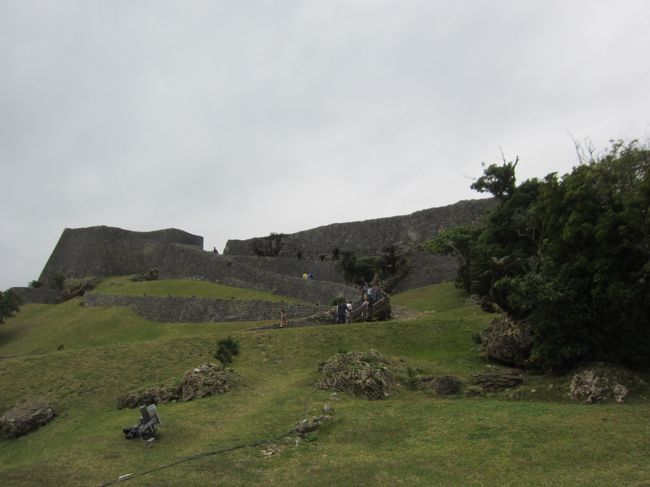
(236, 119)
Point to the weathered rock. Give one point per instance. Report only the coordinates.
(496, 382)
(25, 418)
(159, 395)
(600, 383)
(308, 425)
(508, 341)
(360, 374)
(205, 380)
(446, 385)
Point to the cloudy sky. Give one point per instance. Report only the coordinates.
(236, 119)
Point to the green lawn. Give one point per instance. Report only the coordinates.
(184, 287)
(411, 438)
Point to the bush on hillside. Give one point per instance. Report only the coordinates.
(226, 350)
(150, 275)
(568, 255)
(387, 268)
(78, 287)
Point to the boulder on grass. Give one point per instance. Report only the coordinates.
(599, 383)
(508, 341)
(156, 395)
(25, 418)
(362, 374)
(205, 380)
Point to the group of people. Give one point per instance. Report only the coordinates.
(307, 275)
(370, 294)
(343, 312)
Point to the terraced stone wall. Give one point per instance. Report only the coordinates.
(175, 309)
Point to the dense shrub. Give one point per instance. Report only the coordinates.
(226, 350)
(569, 255)
(386, 268)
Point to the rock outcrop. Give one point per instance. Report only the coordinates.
(508, 341)
(202, 381)
(362, 374)
(600, 383)
(25, 418)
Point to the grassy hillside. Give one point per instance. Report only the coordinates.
(411, 438)
(184, 287)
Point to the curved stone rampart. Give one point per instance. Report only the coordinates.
(369, 237)
(176, 309)
(105, 251)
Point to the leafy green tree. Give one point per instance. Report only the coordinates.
(569, 255)
(458, 242)
(499, 180)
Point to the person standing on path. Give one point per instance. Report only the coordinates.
(283, 318)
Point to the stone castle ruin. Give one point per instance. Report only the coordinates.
(106, 251)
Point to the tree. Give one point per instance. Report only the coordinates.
(569, 255)
(497, 179)
(458, 242)
(9, 305)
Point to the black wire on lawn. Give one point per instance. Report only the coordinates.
(130, 476)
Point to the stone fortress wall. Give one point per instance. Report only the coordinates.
(107, 251)
(103, 251)
(369, 237)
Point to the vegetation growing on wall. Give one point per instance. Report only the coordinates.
(269, 246)
(387, 268)
(570, 255)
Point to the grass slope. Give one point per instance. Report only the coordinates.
(412, 438)
(184, 287)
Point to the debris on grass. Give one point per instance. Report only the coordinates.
(304, 431)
